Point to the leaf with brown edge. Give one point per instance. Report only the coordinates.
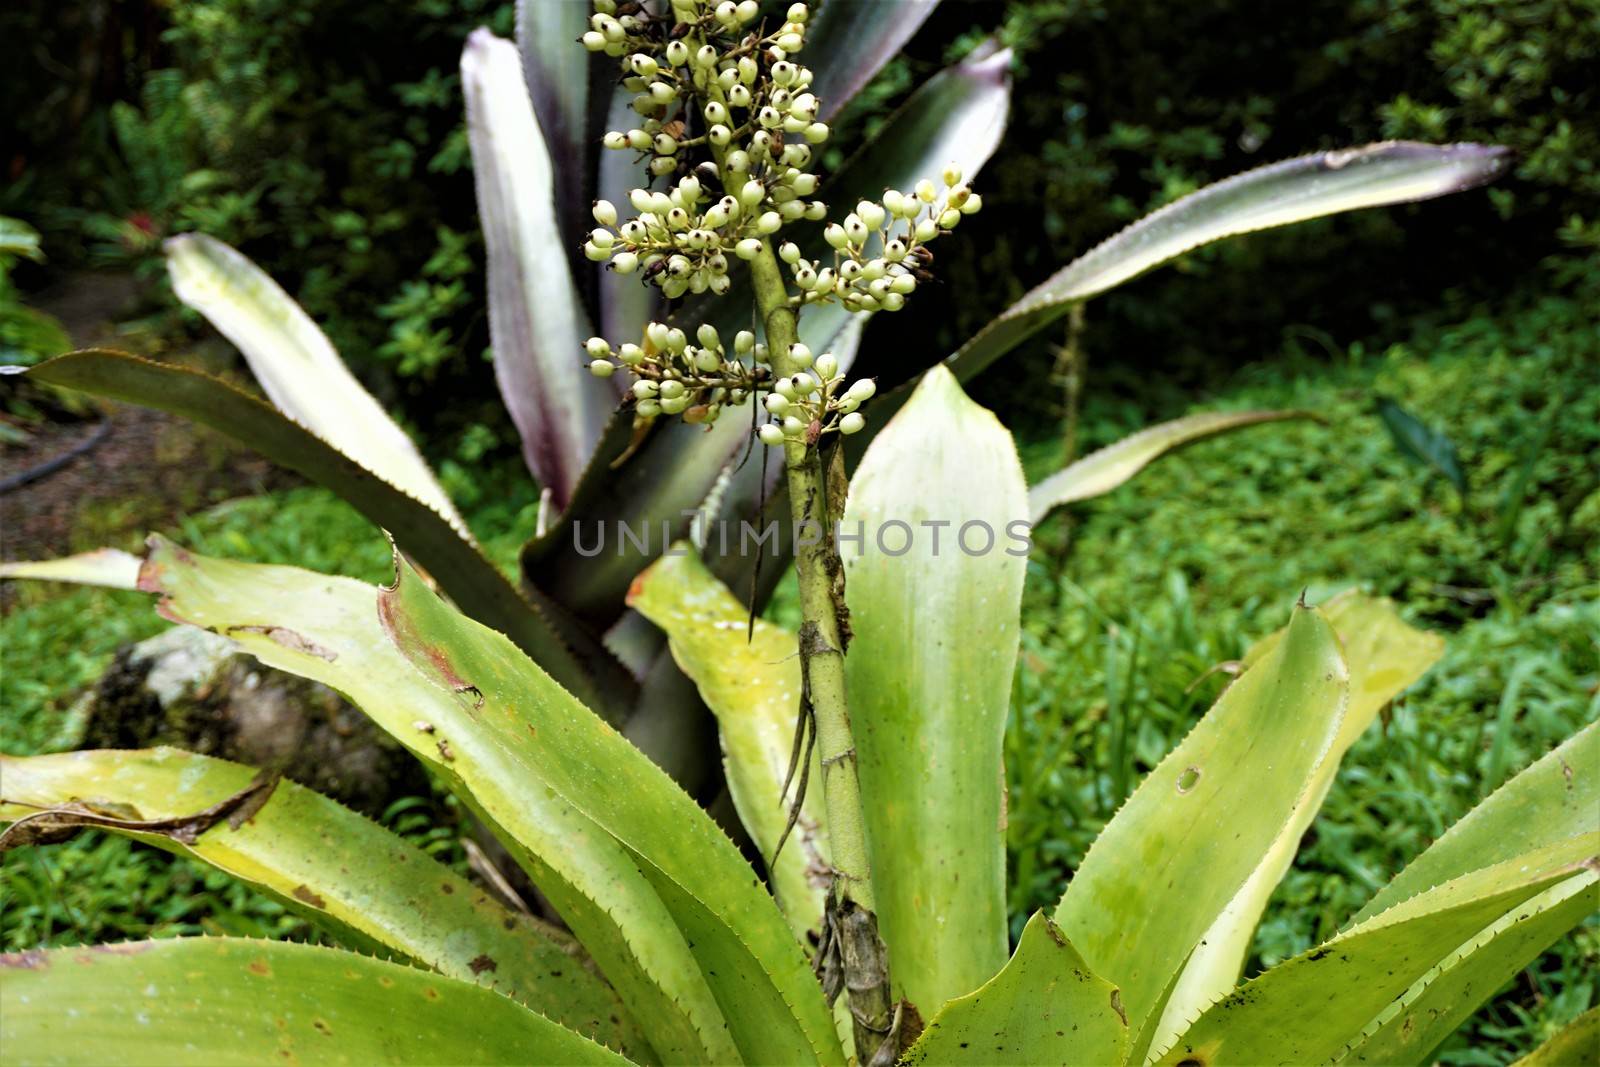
(61, 822)
(368, 887)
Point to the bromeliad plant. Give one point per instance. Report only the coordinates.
(878, 932)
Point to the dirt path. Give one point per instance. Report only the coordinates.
(134, 469)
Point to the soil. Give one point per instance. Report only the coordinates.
(138, 469)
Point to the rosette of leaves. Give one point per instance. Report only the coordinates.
(674, 947)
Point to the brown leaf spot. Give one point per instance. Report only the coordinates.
(1116, 1006)
(321, 1026)
(484, 962)
(305, 895)
(430, 992)
(288, 638)
(446, 753)
(259, 966)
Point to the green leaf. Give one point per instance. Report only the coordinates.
(327, 629)
(753, 965)
(1384, 656)
(341, 870)
(1421, 443)
(753, 687)
(854, 39)
(537, 321)
(579, 805)
(929, 680)
(1324, 183)
(1195, 831)
(1104, 470)
(297, 366)
(1046, 1006)
(1576, 1045)
(218, 1001)
(109, 567)
(1555, 798)
(1454, 989)
(1311, 1008)
(458, 567)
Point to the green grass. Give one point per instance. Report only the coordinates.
(1135, 596)
(1131, 599)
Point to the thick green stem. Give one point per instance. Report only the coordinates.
(821, 647)
(851, 940)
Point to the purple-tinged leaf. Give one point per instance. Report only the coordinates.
(536, 319)
(851, 40)
(1308, 187)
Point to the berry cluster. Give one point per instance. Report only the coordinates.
(675, 377)
(903, 224)
(704, 80)
(727, 115)
(813, 401)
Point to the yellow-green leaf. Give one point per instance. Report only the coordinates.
(343, 871)
(1193, 834)
(216, 1002)
(1384, 656)
(1104, 470)
(1311, 1008)
(752, 686)
(110, 567)
(935, 612)
(1045, 1006)
(1576, 1045)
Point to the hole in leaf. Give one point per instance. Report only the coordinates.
(1186, 782)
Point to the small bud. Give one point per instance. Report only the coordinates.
(631, 355)
(835, 236)
(925, 191)
(656, 333)
(797, 13)
(852, 423)
(664, 145)
(594, 41)
(870, 213)
(675, 405)
(605, 213)
(791, 42)
(827, 366)
(750, 193)
(677, 53)
(707, 362)
(805, 384)
(927, 230)
(769, 223)
(816, 211)
(706, 57)
(793, 427)
(602, 368)
(739, 96)
(644, 389)
(624, 262)
(771, 435)
(707, 336)
(671, 388)
(647, 408)
(642, 65)
(744, 342)
(769, 117)
(747, 249)
(784, 387)
(716, 112)
(972, 205)
(776, 403)
(904, 284)
(817, 132)
(597, 347)
(800, 354)
(677, 340)
(952, 175)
